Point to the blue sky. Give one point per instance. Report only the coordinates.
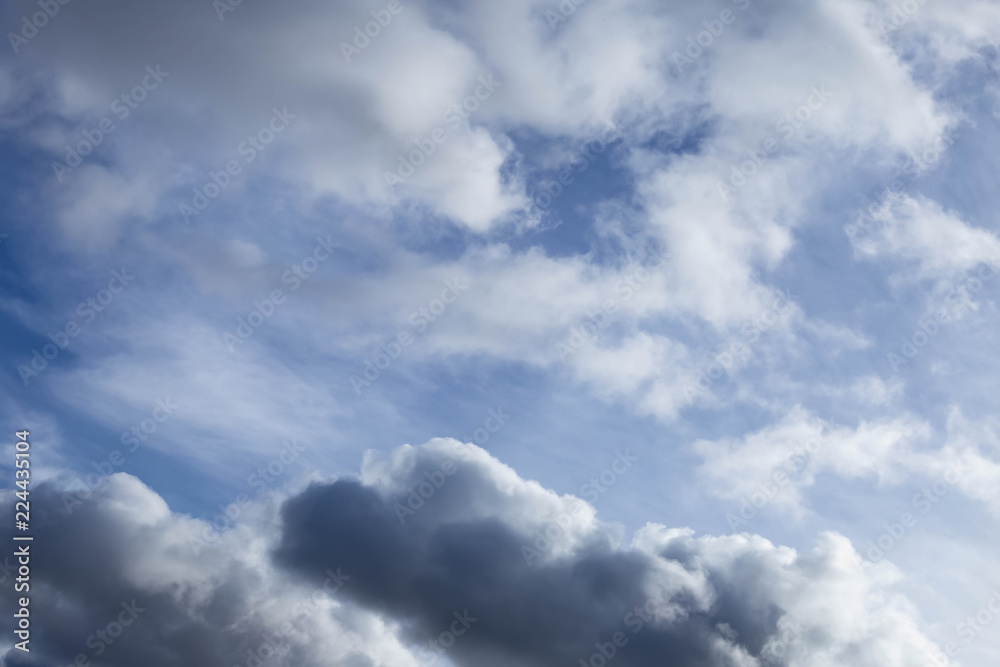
(771, 317)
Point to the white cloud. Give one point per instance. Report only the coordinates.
(887, 452)
(800, 447)
(920, 230)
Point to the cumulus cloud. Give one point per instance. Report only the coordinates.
(800, 446)
(779, 463)
(918, 230)
(427, 547)
(355, 120)
(126, 583)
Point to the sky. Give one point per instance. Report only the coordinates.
(417, 332)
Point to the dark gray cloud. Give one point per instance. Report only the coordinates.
(339, 575)
(82, 597)
(544, 614)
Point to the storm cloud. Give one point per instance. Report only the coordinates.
(441, 552)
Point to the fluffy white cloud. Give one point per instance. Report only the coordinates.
(919, 230)
(782, 461)
(353, 120)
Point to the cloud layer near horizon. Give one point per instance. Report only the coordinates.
(456, 563)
